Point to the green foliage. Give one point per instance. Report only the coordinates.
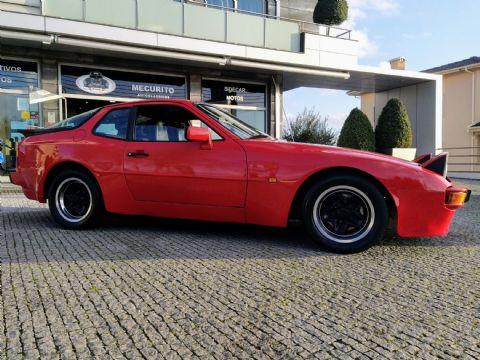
(330, 12)
(357, 132)
(308, 127)
(393, 129)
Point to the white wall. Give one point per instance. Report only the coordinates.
(424, 106)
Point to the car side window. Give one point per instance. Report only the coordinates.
(114, 124)
(167, 123)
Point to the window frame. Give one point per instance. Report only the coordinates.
(129, 124)
(133, 119)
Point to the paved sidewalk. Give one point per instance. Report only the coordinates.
(151, 288)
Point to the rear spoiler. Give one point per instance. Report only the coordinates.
(437, 164)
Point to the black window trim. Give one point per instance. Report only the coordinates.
(97, 124)
(133, 119)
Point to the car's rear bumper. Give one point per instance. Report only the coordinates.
(16, 178)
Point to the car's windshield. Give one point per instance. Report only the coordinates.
(231, 123)
(74, 121)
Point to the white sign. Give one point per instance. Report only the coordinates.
(95, 83)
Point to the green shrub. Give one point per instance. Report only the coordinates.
(357, 132)
(393, 129)
(330, 12)
(308, 127)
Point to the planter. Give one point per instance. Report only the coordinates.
(401, 153)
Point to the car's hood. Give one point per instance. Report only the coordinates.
(302, 148)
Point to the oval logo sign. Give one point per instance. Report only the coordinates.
(95, 83)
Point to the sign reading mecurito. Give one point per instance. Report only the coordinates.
(121, 84)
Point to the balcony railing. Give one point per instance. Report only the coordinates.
(195, 20)
(463, 159)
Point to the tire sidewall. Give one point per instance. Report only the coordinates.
(96, 199)
(365, 186)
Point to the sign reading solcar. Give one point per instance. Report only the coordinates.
(121, 84)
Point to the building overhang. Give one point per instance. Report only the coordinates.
(324, 62)
(363, 79)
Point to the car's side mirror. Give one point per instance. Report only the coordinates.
(200, 134)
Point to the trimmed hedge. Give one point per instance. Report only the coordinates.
(393, 129)
(330, 12)
(357, 132)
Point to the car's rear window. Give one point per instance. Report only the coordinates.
(74, 121)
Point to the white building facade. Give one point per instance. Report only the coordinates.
(62, 57)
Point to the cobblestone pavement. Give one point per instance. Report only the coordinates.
(149, 288)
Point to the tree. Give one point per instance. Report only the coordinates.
(393, 129)
(357, 132)
(308, 127)
(330, 12)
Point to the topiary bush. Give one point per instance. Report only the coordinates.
(393, 129)
(308, 127)
(357, 132)
(330, 12)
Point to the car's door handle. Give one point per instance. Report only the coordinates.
(137, 153)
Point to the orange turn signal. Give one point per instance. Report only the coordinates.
(455, 198)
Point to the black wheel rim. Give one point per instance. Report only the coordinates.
(73, 200)
(343, 214)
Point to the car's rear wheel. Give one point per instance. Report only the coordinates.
(74, 199)
(345, 213)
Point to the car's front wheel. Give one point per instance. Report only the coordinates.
(74, 199)
(345, 213)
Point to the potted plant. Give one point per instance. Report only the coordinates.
(393, 133)
(357, 132)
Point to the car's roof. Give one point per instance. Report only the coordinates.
(150, 102)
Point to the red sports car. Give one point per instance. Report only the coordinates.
(179, 159)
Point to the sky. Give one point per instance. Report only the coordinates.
(427, 33)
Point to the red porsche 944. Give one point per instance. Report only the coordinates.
(179, 159)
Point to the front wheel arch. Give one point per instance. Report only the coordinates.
(296, 206)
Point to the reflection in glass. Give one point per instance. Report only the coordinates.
(222, 3)
(256, 6)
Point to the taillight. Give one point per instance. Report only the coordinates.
(455, 198)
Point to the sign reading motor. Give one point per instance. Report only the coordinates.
(236, 91)
(233, 93)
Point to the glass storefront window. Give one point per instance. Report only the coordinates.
(17, 80)
(256, 6)
(100, 87)
(121, 84)
(222, 3)
(255, 118)
(233, 93)
(246, 101)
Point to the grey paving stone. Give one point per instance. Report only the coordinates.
(152, 288)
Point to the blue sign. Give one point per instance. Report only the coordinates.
(112, 83)
(18, 75)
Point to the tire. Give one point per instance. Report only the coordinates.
(74, 199)
(345, 213)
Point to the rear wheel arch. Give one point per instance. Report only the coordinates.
(296, 206)
(64, 166)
